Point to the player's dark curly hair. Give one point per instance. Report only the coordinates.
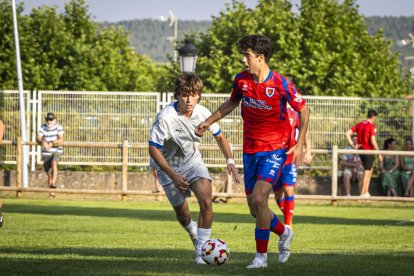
(187, 84)
(259, 44)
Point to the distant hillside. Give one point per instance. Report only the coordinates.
(149, 36)
(395, 28)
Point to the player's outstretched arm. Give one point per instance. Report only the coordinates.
(224, 146)
(178, 180)
(227, 107)
(297, 150)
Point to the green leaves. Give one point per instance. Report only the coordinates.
(68, 52)
(325, 48)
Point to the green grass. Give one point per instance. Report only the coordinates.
(57, 237)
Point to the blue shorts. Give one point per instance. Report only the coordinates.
(264, 166)
(287, 177)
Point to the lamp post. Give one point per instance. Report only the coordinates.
(21, 99)
(188, 58)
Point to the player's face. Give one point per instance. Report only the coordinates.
(252, 61)
(187, 103)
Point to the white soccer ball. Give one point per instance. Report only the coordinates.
(215, 252)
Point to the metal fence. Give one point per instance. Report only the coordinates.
(103, 117)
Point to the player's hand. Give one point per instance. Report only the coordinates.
(231, 168)
(181, 182)
(308, 158)
(297, 154)
(201, 128)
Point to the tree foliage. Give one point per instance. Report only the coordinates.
(68, 52)
(326, 48)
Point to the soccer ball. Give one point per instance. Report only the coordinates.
(215, 252)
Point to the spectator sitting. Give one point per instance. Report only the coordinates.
(353, 169)
(407, 169)
(389, 168)
(50, 137)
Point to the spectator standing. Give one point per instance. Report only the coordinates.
(389, 168)
(366, 140)
(353, 169)
(50, 137)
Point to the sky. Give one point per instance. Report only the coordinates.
(118, 10)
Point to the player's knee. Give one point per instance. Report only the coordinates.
(206, 205)
(258, 204)
(289, 190)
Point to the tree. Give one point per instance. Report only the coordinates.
(340, 57)
(326, 49)
(68, 52)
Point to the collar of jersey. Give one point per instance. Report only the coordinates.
(267, 78)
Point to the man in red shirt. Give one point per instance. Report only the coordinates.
(263, 95)
(366, 140)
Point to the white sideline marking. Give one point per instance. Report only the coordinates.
(405, 221)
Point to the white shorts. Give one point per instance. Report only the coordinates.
(175, 196)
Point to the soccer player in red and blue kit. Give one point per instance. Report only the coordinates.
(266, 137)
(285, 188)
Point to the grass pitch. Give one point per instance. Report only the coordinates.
(58, 237)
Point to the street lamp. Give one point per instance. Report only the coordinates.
(188, 58)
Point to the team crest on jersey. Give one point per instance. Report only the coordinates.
(245, 87)
(270, 91)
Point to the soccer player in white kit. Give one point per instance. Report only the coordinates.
(173, 145)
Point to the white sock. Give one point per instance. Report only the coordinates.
(191, 227)
(203, 235)
(261, 256)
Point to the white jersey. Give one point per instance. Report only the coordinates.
(174, 134)
(50, 134)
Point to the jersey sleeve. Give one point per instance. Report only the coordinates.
(373, 131)
(236, 93)
(354, 128)
(159, 133)
(295, 99)
(214, 128)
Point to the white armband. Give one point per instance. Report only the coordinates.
(230, 161)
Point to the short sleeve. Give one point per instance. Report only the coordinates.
(374, 131)
(295, 99)
(236, 93)
(159, 133)
(214, 128)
